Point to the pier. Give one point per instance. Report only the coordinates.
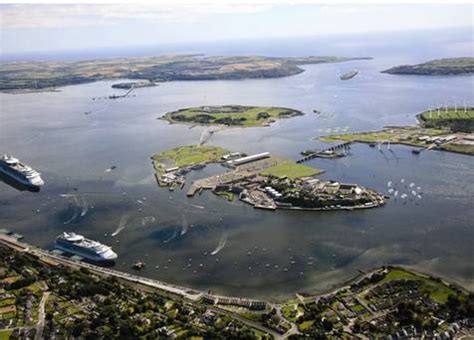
(326, 153)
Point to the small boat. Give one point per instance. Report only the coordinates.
(415, 151)
(372, 145)
(138, 265)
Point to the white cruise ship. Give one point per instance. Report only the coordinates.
(79, 245)
(20, 172)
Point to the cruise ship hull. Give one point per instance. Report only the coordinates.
(84, 254)
(19, 178)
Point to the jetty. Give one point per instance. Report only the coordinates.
(331, 152)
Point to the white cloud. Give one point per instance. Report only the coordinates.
(70, 15)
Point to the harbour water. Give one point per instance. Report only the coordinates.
(177, 237)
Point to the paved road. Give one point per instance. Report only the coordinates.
(248, 322)
(41, 316)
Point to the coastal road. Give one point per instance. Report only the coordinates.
(248, 322)
(41, 316)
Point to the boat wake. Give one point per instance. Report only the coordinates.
(75, 204)
(121, 226)
(84, 206)
(148, 220)
(175, 234)
(221, 245)
(185, 225)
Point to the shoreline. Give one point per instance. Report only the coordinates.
(193, 294)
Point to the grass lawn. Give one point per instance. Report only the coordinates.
(189, 155)
(7, 302)
(231, 115)
(450, 114)
(437, 291)
(252, 316)
(229, 195)
(467, 149)
(402, 135)
(5, 334)
(291, 170)
(305, 325)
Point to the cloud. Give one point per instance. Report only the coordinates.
(70, 15)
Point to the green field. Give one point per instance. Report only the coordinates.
(402, 135)
(5, 334)
(305, 325)
(460, 148)
(437, 291)
(449, 114)
(291, 170)
(232, 115)
(188, 155)
(7, 302)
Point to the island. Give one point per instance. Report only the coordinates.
(230, 115)
(438, 67)
(262, 180)
(19, 76)
(448, 129)
(45, 295)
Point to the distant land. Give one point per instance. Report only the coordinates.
(231, 115)
(41, 75)
(439, 67)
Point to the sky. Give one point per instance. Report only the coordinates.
(50, 28)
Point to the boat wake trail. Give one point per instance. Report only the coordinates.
(221, 245)
(185, 225)
(206, 135)
(84, 206)
(148, 220)
(75, 204)
(121, 226)
(175, 234)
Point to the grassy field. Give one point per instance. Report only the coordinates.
(230, 196)
(188, 155)
(5, 334)
(291, 170)
(232, 115)
(403, 135)
(460, 148)
(7, 302)
(436, 290)
(305, 325)
(449, 114)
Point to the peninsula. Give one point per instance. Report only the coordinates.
(42, 75)
(448, 129)
(231, 115)
(261, 180)
(45, 295)
(439, 67)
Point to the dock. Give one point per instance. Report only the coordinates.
(324, 153)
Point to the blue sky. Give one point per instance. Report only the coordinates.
(50, 28)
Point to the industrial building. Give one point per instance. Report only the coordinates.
(248, 159)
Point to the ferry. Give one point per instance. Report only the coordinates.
(79, 245)
(20, 172)
(349, 75)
